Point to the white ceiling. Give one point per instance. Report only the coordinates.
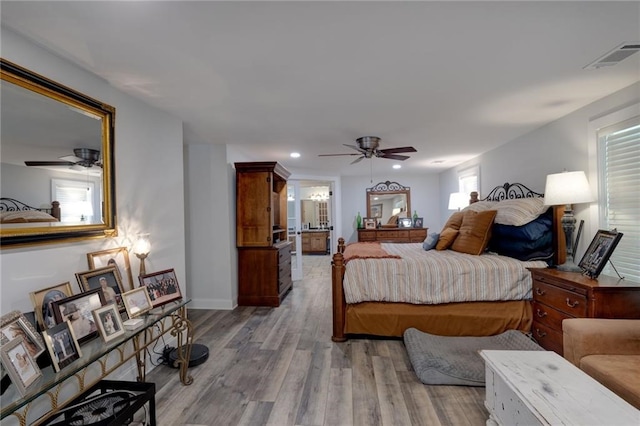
(453, 79)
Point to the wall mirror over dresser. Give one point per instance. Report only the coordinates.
(57, 145)
(388, 201)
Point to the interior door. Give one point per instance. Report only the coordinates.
(294, 228)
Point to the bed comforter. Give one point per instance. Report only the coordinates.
(435, 277)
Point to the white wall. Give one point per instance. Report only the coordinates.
(149, 186)
(561, 145)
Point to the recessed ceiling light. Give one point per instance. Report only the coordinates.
(397, 166)
(295, 155)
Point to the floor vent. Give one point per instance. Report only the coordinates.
(614, 56)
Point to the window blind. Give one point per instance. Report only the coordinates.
(619, 178)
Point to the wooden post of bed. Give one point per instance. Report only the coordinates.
(339, 304)
(55, 209)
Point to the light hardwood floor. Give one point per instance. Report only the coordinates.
(278, 366)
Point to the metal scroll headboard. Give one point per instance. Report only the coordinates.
(510, 191)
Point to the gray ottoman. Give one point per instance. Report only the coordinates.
(453, 360)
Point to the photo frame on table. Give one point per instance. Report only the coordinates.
(77, 309)
(62, 345)
(42, 300)
(405, 222)
(108, 321)
(15, 325)
(161, 286)
(137, 302)
(118, 257)
(376, 210)
(19, 365)
(108, 279)
(370, 223)
(599, 251)
(418, 222)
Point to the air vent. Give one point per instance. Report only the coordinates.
(614, 56)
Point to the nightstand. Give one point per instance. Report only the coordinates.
(558, 295)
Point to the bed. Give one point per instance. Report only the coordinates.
(14, 211)
(382, 289)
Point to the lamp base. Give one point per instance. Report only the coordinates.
(569, 267)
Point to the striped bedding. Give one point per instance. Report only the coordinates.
(433, 277)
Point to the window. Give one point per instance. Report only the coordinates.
(619, 183)
(469, 180)
(76, 199)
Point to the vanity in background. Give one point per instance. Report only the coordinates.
(315, 241)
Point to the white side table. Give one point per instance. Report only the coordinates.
(542, 388)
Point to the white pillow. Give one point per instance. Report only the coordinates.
(520, 211)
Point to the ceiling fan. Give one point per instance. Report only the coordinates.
(367, 147)
(83, 157)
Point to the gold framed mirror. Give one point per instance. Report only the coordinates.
(388, 201)
(57, 150)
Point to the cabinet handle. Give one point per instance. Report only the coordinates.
(540, 314)
(540, 333)
(539, 292)
(571, 305)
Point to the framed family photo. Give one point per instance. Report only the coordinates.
(77, 309)
(599, 251)
(418, 222)
(20, 366)
(108, 279)
(107, 319)
(62, 345)
(370, 223)
(43, 299)
(14, 325)
(405, 222)
(137, 302)
(162, 287)
(118, 257)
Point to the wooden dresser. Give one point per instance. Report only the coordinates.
(558, 295)
(315, 242)
(264, 251)
(393, 235)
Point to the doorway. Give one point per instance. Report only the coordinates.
(310, 224)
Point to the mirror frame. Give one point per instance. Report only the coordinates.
(14, 237)
(388, 188)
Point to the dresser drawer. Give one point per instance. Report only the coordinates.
(367, 235)
(549, 316)
(546, 337)
(394, 236)
(571, 303)
(284, 254)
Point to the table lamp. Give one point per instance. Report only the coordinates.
(458, 200)
(141, 249)
(567, 188)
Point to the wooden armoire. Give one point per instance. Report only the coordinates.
(264, 252)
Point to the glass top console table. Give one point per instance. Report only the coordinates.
(99, 359)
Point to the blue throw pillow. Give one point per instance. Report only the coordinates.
(431, 241)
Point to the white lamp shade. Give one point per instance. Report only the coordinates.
(458, 200)
(567, 188)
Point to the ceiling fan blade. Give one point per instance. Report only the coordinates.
(357, 160)
(394, 157)
(398, 150)
(334, 155)
(357, 148)
(49, 163)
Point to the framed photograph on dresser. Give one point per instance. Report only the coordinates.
(599, 252)
(370, 223)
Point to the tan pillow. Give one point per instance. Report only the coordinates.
(475, 232)
(447, 237)
(454, 221)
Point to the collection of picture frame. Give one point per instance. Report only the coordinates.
(403, 222)
(63, 321)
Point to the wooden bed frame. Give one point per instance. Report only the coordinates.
(453, 319)
(13, 205)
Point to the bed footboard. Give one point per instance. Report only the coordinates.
(338, 302)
